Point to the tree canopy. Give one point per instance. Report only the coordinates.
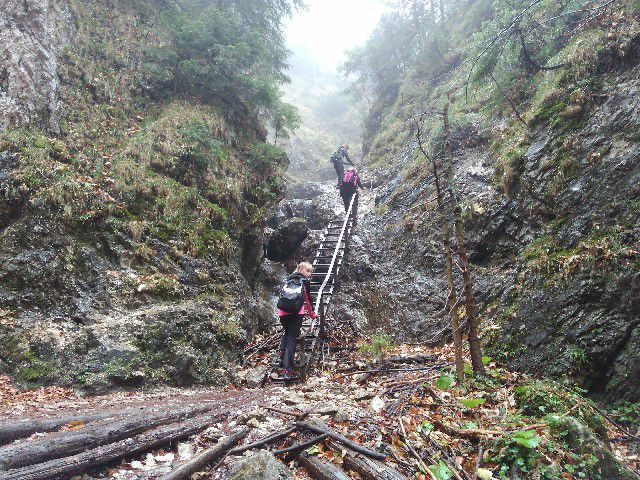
(228, 51)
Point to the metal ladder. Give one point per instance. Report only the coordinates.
(329, 259)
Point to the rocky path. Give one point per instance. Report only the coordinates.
(403, 405)
(399, 403)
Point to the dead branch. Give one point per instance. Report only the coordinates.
(323, 429)
(207, 457)
(300, 446)
(423, 466)
(506, 97)
(291, 413)
(367, 468)
(529, 59)
(387, 370)
(262, 441)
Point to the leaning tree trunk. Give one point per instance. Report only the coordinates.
(452, 301)
(470, 302)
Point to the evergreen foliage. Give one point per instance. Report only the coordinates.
(229, 52)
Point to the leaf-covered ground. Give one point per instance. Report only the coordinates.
(400, 400)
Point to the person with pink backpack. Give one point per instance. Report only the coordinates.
(349, 186)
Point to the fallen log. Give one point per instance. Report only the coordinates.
(323, 429)
(262, 441)
(207, 457)
(81, 462)
(412, 359)
(392, 370)
(63, 444)
(320, 470)
(367, 468)
(13, 430)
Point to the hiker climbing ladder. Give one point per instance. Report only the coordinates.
(327, 263)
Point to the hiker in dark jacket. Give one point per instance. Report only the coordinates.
(292, 321)
(349, 186)
(338, 159)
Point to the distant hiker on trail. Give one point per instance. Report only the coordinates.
(338, 159)
(349, 186)
(293, 304)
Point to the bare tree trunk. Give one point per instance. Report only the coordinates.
(433, 10)
(470, 302)
(452, 302)
(441, 10)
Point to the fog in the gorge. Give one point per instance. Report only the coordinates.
(318, 38)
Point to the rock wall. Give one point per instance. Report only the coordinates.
(32, 35)
(131, 232)
(555, 258)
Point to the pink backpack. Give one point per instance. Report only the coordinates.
(350, 177)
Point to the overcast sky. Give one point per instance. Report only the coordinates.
(328, 28)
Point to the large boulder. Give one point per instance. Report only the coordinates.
(317, 203)
(282, 214)
(583, 440)
(286, 239)
(260, 466)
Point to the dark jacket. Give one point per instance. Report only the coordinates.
(340, 155)
(306, 285)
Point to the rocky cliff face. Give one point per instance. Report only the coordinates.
(131, 229)
(33, 33)
(553, 232)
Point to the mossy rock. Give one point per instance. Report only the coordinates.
(541, 398)
(584, 441)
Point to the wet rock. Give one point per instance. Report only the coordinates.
(286, 239)
(283, 213)
(582, 440)
(341, 416)
(34, 31)
(186, 451)
(318, 204)
(258, 414)
(307, 249)
(582, 323)
(125, 378)
(261, 465)
(255, 376)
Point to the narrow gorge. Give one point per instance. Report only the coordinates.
(165, 164)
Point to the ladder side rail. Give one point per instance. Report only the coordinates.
(333, 262)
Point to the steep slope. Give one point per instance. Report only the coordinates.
(132, 202)
(549, 199)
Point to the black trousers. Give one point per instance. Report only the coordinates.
(346, 199)
(339, 166)
(292, 325)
